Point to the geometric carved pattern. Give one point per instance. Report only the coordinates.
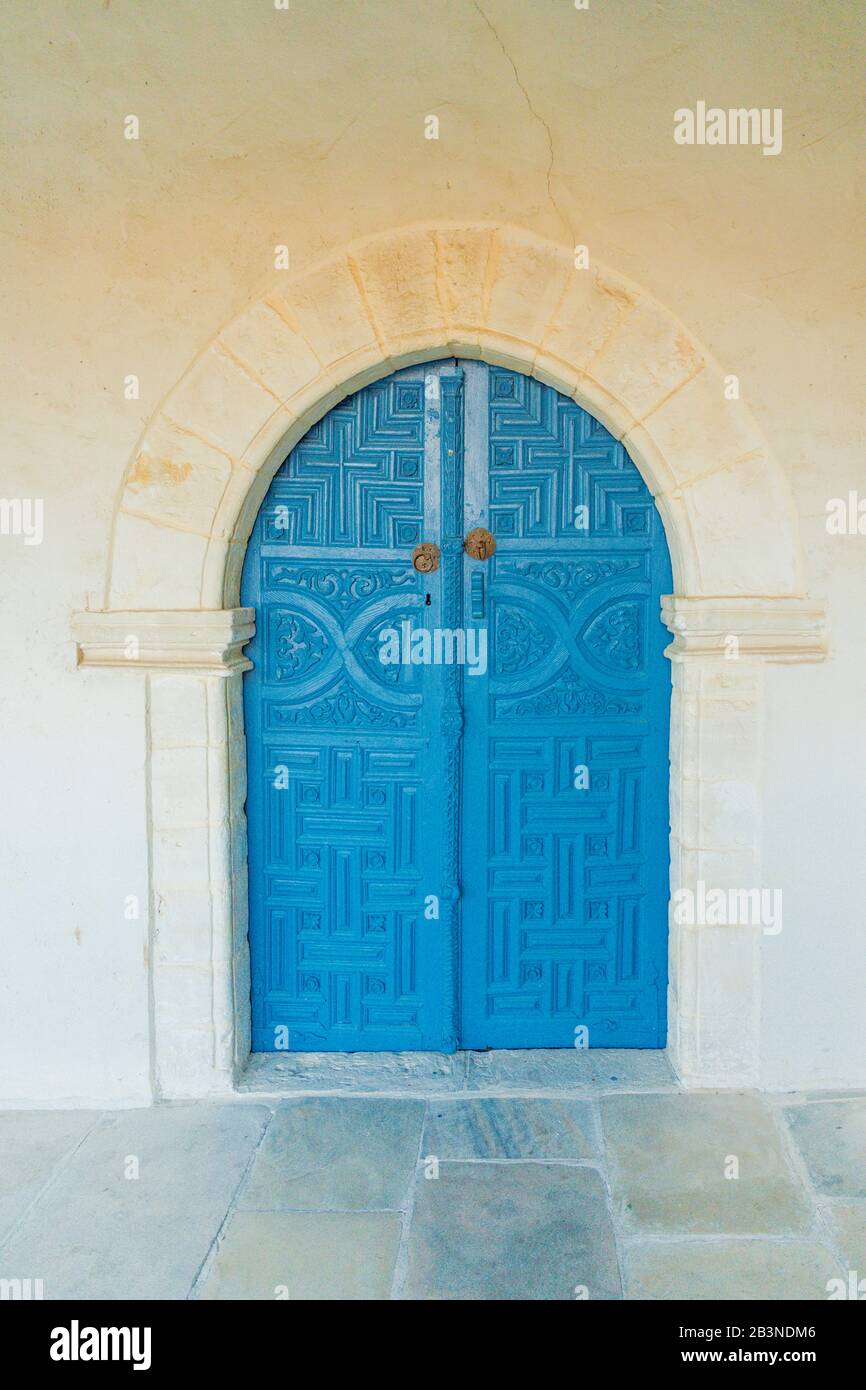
(549, 458)
(355, 481)
(373, 786)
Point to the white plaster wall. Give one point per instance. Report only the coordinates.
(305, 127)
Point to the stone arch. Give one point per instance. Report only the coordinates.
(207, 457)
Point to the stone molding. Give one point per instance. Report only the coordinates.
(776, 629)
(194, 640)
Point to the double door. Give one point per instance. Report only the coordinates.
(457, 727)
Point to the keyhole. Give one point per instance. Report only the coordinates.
(427, 601)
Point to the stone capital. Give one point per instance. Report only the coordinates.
(775, 629)
(189, 640)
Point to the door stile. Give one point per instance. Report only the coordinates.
(475, 789)
(451, 472)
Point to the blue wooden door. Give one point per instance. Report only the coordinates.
(461, 845)
(564, 911)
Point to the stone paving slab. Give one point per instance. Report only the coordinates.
(96, 1233)
(669, 1156)
(511, 1231)
(520, 1209)
(322, 1255)
(32, 1144)
(512, 1128)
(847, 1222)
(729, 1269)
(336, 1153)
(831, 1136)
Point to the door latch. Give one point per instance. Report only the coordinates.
(425, 557)
(480, 544)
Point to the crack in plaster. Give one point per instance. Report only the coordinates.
(536, 116)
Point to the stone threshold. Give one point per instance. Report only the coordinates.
(539, 1071)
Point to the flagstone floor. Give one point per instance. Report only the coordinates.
(535, 1175)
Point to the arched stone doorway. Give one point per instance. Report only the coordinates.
(191, 495)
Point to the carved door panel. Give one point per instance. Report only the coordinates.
(425, 868)
(347, 760)
(566, 749)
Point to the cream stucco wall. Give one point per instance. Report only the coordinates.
(306, 128)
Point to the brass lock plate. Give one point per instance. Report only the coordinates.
(425, 557)
(480, 544)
